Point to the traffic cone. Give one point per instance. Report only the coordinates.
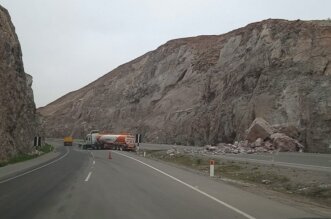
(109, 156)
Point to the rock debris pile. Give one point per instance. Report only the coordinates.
(261, 137)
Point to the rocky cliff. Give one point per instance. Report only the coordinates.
(18, 120)
(209, 89)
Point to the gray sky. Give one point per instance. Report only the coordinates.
(69, 43)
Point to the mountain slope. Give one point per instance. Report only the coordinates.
(208, 89)
(18, 120)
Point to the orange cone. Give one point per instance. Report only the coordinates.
(109, 156)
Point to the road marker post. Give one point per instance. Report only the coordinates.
(212, 168)
(109, 156)
(37, 142)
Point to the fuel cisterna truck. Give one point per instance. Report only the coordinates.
(96, 140)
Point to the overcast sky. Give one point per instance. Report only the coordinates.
(69, 43)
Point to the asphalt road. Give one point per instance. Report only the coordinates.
(87, 184)
(310, 161)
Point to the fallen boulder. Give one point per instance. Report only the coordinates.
(259, 129)
(258, 142)
(287, 129)
(285, 143)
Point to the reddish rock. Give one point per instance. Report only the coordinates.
(243, 144)
(268, 145)
(285, 143)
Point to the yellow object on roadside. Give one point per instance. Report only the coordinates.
(68, 140)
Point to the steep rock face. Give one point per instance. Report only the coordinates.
(17, 109)
(209, 89)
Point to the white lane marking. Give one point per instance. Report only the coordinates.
(38, 168)
(88, 176)
(93, 162)
(192, 187)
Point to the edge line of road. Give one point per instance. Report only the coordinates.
(88, 176)
(38, 168)
(191, 187)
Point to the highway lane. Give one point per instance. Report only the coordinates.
(311, 161)
(86, 184)
(24, 196)
(122, 188)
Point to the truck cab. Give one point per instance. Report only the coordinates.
(91, 140)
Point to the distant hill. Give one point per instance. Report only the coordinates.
(208, 89)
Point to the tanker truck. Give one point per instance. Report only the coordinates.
(96, 140)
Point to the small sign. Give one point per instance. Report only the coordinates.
(37, 141)
(138, 138)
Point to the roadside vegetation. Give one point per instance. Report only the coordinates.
(302, 184)
(23, 157)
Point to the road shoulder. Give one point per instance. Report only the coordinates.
(216, 186)
(12, 170)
